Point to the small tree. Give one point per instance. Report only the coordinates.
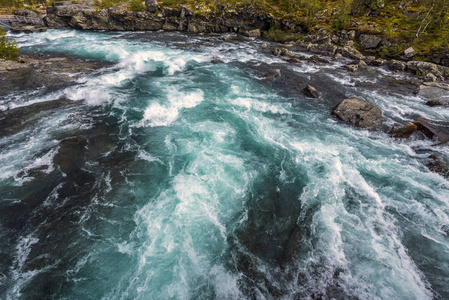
(8, 49)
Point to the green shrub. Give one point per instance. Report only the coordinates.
(280, 36)
(136, 5)
(8, 49)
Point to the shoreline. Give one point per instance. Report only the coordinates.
(247, 21)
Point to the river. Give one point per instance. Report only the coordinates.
(166, 176)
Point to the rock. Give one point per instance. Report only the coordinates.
(403, 132)
(409, 53)
(287, 52)
(227, 37)
(151, 5)
(359, 113)
(294, 60)
(433, 103)
(369, 59)
(378, 62)
(311, 92)
(252, 33)
(396, 65)
(351, 67)
(350, 52)
(32, 15)
(438, 165)
(322, 49)
(35, 73)
(186, 12)
(338, 56)
(369, 41)
(434, 91)
(318, 60)
(273, 74)
(430, 77)
(431, 131)
(276, 51)
(423, 68)
(362, 65)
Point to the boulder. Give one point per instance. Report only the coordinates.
(151, 5)
(350, 52)
(403, 132)
(322, 49)
(434, 91)
(409, 53)
(438, 165)
(423, 68)
(431, 131)
(359, 113)
(311, 92)
(368, 41)
(396, 65)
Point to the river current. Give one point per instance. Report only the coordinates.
(166, 176)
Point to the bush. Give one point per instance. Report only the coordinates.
(280, 36)
(136, 5)
(8, 49)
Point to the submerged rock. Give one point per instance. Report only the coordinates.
(273, 74)
(319, 60)
(311, 92)
(359, 113)
(433, 103)
(403, 132)
(431, 131)
(438, 165)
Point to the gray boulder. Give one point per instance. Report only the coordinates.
(409, 52)
(369, 41)
(396, 65)
(349, 51)
(424, 68)
(151, 5)
(434, 91)
(359, 113)
(322, 49)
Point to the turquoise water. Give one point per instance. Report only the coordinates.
(169, 177)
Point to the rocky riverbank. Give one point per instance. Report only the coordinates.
(33, 72)
(363, 48)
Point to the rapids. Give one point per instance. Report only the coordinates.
(167, 176)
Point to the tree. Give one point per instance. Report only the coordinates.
(8, 49)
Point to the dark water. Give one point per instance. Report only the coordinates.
(168, 177)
